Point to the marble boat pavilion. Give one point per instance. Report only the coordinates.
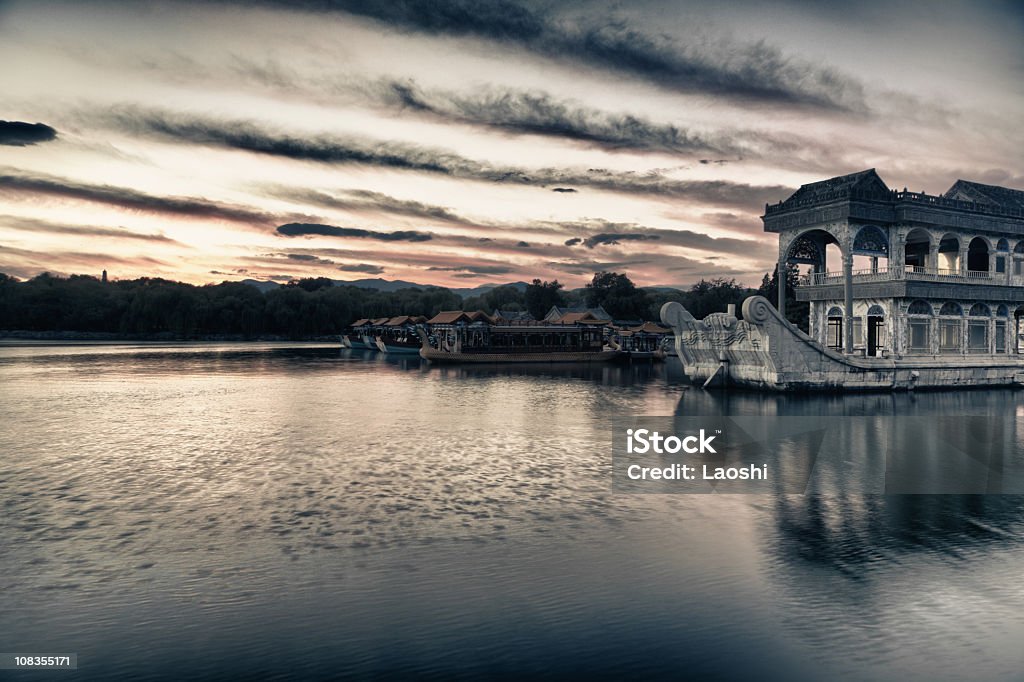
(917, 274)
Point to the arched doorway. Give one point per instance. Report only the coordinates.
(949, 255)
(805, 261)
(916, 250)
(876, 331)
(871, 250)
(977, 256)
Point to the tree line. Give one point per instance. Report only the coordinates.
(311, 307)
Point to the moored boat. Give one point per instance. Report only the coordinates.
(355, 338)
(473, 337)
(398, 335)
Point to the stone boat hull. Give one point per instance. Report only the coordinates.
(763, 351)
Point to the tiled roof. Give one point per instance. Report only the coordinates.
(401, 320)
(556, 313)
(453, 316)
(992, 195)
(513, 315)
(651, 328)
(864, 181)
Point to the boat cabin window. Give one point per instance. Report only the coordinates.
(835, 332)
(949, 335)
(919, 335)
(977, 336)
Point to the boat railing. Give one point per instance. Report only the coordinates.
(918, 272)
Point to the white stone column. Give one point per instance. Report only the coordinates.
(782, 286)
(848, 303)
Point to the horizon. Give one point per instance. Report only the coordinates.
(451, 144)
(354, 282)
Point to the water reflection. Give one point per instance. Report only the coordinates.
(369, 515)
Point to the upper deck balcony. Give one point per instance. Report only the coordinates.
(909, 272)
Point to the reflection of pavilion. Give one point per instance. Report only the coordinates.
(917, 274)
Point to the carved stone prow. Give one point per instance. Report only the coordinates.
(421, 331)
(680, 321)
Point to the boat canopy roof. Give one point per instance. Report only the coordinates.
(457, 316)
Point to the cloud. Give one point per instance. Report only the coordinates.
(539, 113)
(308, 258)
(362, 267)
(301, 229)
(11, 222)
(18, 186)
(477, 269)
(603, 232)
(19, 134)
(368, 201)
(754, 72)
(614, 239)
(248, 136)
(586, 266)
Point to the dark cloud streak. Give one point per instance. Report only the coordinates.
(306, 229)
(20, 134)
(247, 136)
(128, 199)
(752, 72)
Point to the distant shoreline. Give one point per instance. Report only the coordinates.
(23, 335)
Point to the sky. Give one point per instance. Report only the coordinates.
(461, 142)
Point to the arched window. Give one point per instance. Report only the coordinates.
(871, 241)
(916, 248)
(950, 308)
(1019, 248)
(834, 331)
(977, 255)
(919, 308)
(1002, 245)
(977, 328)
(1002, 312)
(919, 327)
(950, 329)
(876, 311)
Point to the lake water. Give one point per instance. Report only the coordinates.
(205, 511)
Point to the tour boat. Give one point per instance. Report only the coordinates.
(461, 337)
